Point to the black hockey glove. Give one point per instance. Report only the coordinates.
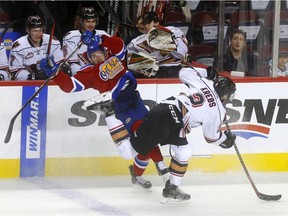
(230, 140)
(66, 68)
(212, 73)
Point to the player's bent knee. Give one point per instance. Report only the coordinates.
(183, 152)
(125, 149)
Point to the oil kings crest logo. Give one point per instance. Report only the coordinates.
(256, 119)
(110, 68)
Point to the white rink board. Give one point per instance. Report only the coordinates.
(10, 104)
(92, 140)
(64, 140)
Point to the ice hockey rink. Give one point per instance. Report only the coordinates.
(228, 193)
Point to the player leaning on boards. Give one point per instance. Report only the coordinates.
(28, 50)
(88, 22)
(172, 119)
(107, 72)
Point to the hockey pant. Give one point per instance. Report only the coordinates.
(159, 126)
(132, 110)
(121, 139)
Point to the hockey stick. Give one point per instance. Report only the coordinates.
(12, 121)
(47, 13)
(259, 195)
(115, 17)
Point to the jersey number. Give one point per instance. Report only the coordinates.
(197, 99)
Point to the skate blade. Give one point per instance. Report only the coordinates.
(171, 201)
(139, 188)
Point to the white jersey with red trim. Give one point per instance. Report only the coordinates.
(70, 42)
(25, 58)
(203, 105)
(3, 63)
(139, 44)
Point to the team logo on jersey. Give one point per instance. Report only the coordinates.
(110, 68)
(128, 120)
(29, 55)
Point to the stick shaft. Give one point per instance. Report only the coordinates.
(259, 195)
(242, 162)
(10, 128)
(47, 13)
(245, 169)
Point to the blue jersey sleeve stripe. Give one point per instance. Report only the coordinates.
(121, 54)
(77, 85)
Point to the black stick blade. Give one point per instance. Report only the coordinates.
(269, 197)
(10, 129)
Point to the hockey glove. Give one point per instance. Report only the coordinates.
(230, 140)
(90, 39)
(212, 73)
(66, 68)
(86, 37)
(48, 66)
(161, 38)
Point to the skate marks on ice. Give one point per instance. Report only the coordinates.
(211, 194)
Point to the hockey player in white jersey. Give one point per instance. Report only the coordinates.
(168, 55)
(172, 119)
(152, 57)
(88, 21)
(28, 50)
(4, 68)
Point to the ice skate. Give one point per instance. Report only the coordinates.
(163, 170)
(173, 194)
(139, 180)
(101, 103)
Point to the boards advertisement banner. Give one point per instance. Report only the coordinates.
(54, 133)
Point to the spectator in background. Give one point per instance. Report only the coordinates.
(4, 69)
(237, 57)
(282, 69)
(28, 50)
(88, 21)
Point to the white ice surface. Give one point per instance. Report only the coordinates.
(211, 194)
